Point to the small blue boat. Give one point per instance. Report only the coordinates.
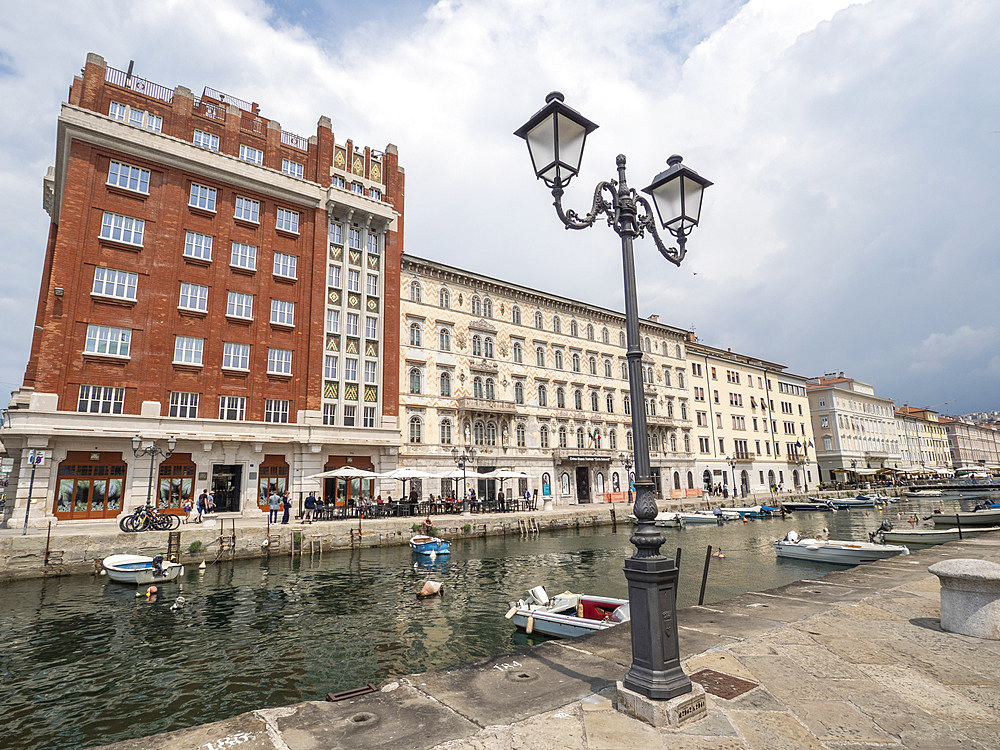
(429, 545)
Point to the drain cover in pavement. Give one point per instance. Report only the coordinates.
(723, 685)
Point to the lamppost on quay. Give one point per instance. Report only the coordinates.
(732, 464)
(626, 460)
(152, 451)
(466, 456)
(555, 136)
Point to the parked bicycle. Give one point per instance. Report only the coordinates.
(148, 518)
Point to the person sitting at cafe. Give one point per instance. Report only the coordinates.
(427, 526)
(320, 507)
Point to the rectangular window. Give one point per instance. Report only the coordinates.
(97, 399)
(188, 350)
(279, 361)
(370, 370)
(357, 187)
(284, 265)
(703, 445)
(232, 408)
(136, 117)
(371, 285)
(276, 410)
(128, 177)
(293, 168)
(287, 221)
(244, 256)
(120, 228)
(333, 276)
(701, 418)
(206, 140)
(251, 154)
(114, 342)
(352, 324)
(372, 243)
(354, 238)
(369, 416)
(338, 181)
(330, 367)
(349, 415)
(332, 321)
(111, 283)
(203, 197)
(371, 327)
(375, 193)
(282, 312)
(198, 246)
(236, 357)
(247, 209)
(194, 297)
(240, 305)
(351, 369)
(184, 405)
(353, 280)
(329, 414)
(118, 111)
(337, 234)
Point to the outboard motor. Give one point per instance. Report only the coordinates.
(792, 536)
(885, 525)
(158, 566)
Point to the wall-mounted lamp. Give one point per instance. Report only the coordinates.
(58, 291)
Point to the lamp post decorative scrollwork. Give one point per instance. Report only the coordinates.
(555, 136)
(152, 451)
(462, 459)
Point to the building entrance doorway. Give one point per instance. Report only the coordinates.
(582, 484)
(227, 481)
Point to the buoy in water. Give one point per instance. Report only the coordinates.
(202, 566)
(430, 588)
(151, 590)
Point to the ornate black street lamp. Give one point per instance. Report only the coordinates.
(555, 136)
(467, 456)
(626, 459)
(732, 465)
(152, 451)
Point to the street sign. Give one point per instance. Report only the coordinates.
(37, 457)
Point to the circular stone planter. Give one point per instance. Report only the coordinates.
(970, 597)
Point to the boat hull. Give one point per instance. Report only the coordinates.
(837, 552)
(969, 518)
(138, 570)
(428, 545)
(933, 536)
(559, 618)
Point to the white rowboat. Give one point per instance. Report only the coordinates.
(138, 569)
(933, 536)
(566, 615)
(989, 517)
(835, 551)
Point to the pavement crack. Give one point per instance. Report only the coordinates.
(267, 715)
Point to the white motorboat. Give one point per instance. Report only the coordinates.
(566, 615)
(663, 518)
(924, 493)
(707, 516)
(835, 551)
(931, 536)
(138, 569)
(982, 517)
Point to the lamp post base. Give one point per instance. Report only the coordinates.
(675, 712)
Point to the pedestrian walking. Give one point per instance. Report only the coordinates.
(287, 505)
(274, 504)
(202, 505)
(310, 507)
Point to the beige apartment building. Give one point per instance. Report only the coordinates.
(927, 448)
(973, 447)
(538, 383)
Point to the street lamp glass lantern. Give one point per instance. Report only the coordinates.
(136, 444)
(171, 444)
(677, 194)
(555, 136)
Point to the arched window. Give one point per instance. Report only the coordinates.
(562, 438)
(574, 329)
(670, 408)
(518, 392)
(415, 380)
(577, 399)
(673, 442)
(579, 437)
(538, 319)
(477, 387)
(615, 482)
(515, 315)
(556, 324)
(477, 305)
(491, 434)
(607, 368)
(666, 376)
(414, 334)
(478, 433)
(445, 430)
(517, 352)
(680, 378)
(648, 346)
(677, 480)
(612, 440)
(444, 340)
(610, 403)
(487, 308)
(445, 381)
(444, 298)
(560, 398)
(600, 483)
(564, 481)
(477, 346)
(706, 479)
(677, 351)
(684, 410)
(654, 442)
(626, 404)
(520, 435)
(665, 350)
(543, 437)
(488, 347)
(414, 291)
(576, 362)
(624, 370)
(605, 336)
(594, 401)
(592, 361)
(628, 441)
(687, 443)
(416, 429)
(543, 396)
(539, 356)
(491, 389)
(559, 359)
(690, 481)
(590, 331)
(621, 339)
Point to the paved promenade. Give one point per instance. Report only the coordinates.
(855, 659)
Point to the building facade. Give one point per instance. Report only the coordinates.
(211, 277)
(537, 383)
(973, 447)
(926, 439)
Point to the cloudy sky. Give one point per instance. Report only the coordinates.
(854, 146)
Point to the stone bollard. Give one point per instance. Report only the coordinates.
(970, 597)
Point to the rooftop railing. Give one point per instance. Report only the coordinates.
(140, 85)
(208, 109)
(295, 141)
(227, 99)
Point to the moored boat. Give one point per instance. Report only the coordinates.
(139, 569)
(429, 545)
(708, 516)
(753, 511)
(812, 505)
(931, 536)
(924, 493)
(840, 552)
(566, 615)
(663, 518)
(982, 517)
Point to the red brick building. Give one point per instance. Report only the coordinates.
(212, 277)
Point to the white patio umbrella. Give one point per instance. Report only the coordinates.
(345, 472)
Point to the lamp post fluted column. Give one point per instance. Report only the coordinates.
(555, 136)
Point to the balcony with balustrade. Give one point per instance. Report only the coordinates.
(486, 405)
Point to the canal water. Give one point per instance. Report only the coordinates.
(85, 662)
